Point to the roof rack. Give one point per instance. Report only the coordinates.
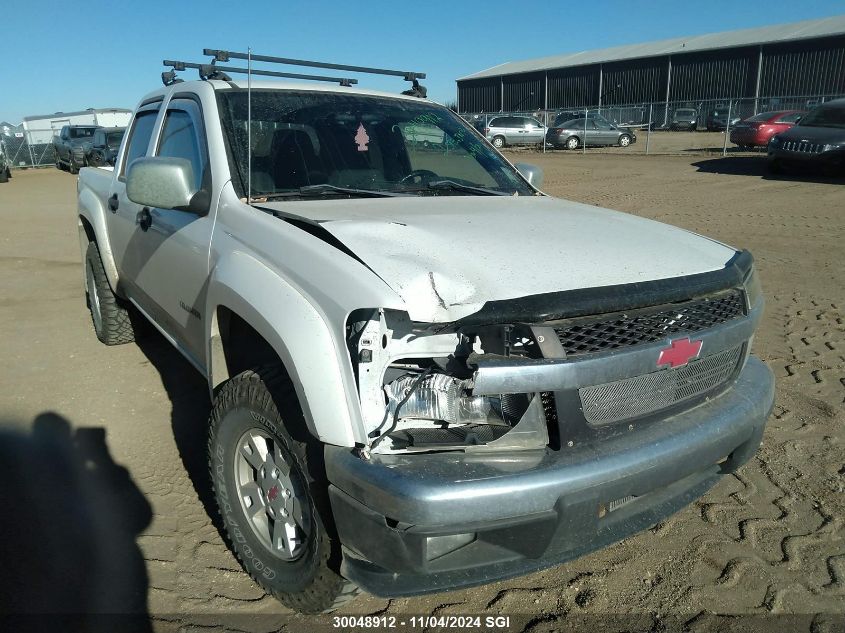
(214, 71)
(225, 56)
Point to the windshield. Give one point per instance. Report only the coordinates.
(330, 143)
(825, 116)
(113, 139)
(82, 132)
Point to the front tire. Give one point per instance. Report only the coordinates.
(624, 140)
(272, 492)
(112, 321)
(4, 175)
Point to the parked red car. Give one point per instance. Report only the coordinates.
(756, 131)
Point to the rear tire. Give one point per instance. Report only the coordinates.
(256, 462)
(498, 142)
(112, 320)
(572, 142)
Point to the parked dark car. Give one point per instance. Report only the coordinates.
(104, 147)
(756, 131)
(717, 119)
(684, 119)
(71, 145)
(817, 141)
(574, 133)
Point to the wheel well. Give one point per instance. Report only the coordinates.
(238, 347)
(241, 346)
(89, 230)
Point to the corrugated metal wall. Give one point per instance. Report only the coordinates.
(573, 87)
(812, 67)
(524, 92)
(480, 95)
(793, 69)
(730, 73)
(636, 81)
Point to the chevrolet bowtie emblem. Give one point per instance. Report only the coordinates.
(679, 353)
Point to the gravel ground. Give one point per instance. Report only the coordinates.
(126, 431)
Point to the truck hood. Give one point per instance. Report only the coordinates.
(447, 256)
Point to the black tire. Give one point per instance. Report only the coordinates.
(263, 402)
(573, 142)
(624, 140)
(112, 320)
(4, 175)
(72, 167)
(94, 159)
(498, 142)
(774, 166)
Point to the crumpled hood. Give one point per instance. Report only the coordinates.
(447, 256)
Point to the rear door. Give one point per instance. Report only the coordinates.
(173, 251)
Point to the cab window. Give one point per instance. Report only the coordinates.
(139, 138)
(181, 138)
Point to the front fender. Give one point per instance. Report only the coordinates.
(299, 334)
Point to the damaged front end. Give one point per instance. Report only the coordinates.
(416, 386)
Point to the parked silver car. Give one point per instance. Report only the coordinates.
(514, 130)
(571, 134)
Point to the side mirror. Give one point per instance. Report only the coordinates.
(165, 183)
(532, 173)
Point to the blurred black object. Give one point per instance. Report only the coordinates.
(70, 517)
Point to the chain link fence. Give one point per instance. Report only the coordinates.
(30, 148)
(717, 126)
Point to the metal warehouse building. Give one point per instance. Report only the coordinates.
(804, 59)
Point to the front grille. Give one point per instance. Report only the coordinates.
(642, 395)
(803, 146)
(589, 336)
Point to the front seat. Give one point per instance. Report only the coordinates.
(294, 162)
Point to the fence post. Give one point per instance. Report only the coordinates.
(584, 140)
(727, 129)
(545, 128)
(648, 128)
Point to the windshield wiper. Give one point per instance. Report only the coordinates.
(456, 186)
(323, 189)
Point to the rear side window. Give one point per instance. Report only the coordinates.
(792, 117)
(180, 138)
(139, 138)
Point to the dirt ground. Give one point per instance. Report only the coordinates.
(769, 540)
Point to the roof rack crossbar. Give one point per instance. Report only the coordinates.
(207, 69)
(225, 56)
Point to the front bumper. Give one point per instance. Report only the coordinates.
(834, 157)
(412, 524)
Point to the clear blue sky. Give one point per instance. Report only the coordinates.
(65, 55)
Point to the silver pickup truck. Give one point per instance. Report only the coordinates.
(426, 374)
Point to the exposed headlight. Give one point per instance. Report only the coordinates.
(442, 398)
(753, 289)
(774, 141)
(832, 146)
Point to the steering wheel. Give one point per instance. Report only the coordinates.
(418, 175)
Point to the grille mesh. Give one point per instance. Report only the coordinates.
(656, 324)
(641, 395)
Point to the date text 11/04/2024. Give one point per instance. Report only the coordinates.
(422, 621)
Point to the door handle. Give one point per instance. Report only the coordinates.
(114, 203)
(144, 219)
